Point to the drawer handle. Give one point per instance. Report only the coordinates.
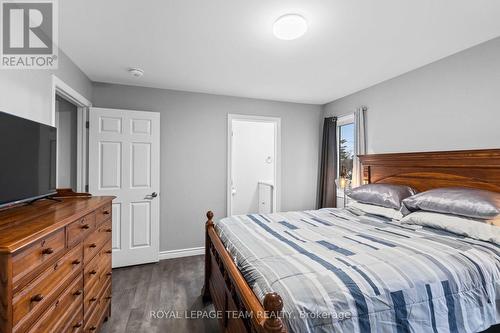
(78, 292)
(48, 250)
(93, 245)
(108, 230)
(93, 272)
(107, 297)
(106, 212)
(79, 324)
(93, 328)
(85, 226)
(37, 298)
(76, 262)
(109, 274)
(93, 299)
(109, 251)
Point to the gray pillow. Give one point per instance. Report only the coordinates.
(385, 195)
(461, 201)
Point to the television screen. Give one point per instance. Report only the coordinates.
(27, 159)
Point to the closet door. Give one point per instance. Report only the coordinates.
(124, 161)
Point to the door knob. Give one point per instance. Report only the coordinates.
(154, 195)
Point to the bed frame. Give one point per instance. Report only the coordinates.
(229, 291)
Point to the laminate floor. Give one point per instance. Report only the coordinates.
(155, 297)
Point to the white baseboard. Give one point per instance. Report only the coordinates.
(194, 251)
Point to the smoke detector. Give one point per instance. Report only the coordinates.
(136, 72)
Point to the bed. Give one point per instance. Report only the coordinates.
(337, 270)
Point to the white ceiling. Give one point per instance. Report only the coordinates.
(227, 46)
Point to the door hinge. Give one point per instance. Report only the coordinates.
(87, 124)
(86, 188)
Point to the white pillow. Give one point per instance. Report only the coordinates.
(473, 228)
(390, 213)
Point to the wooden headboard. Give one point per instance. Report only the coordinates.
(424, 171)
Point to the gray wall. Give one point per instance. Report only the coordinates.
(28, 93)
(193, 153)
(451, 104)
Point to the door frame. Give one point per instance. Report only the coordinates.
(59, 87)
(277, 165)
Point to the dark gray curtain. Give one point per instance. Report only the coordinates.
(328, 168)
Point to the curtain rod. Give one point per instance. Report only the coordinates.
(363, 107)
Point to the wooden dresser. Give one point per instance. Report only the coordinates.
(55, 266)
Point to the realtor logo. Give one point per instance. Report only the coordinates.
(29, 34)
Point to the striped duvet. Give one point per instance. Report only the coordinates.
(338, 270)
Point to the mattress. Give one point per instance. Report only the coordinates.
(338, 270)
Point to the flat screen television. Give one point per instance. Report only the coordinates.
(27, 160)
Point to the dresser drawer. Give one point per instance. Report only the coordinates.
(106, 296)
(105, 270)
(29, 301)
(103, 213)
(65, 309)
(93, 243)
(92, 324)
(98, 294)
(101, 265)
(80, 229)
(96, 316)
(75, 323)
(91, 276)
(91, 301)
(37, 254)
(105, 257)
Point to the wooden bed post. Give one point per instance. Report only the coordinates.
(205, 292)
(273, 305)
(366, 175)
(230, 292)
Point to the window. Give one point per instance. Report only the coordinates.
(345, 132)
(346, 150)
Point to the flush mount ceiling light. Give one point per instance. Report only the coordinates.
(136, 72)
(289, 27)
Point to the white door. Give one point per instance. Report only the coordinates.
(124, 161)
(254, 160)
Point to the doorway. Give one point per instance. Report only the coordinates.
(253, 164)
(69, 115)
(67, 145)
